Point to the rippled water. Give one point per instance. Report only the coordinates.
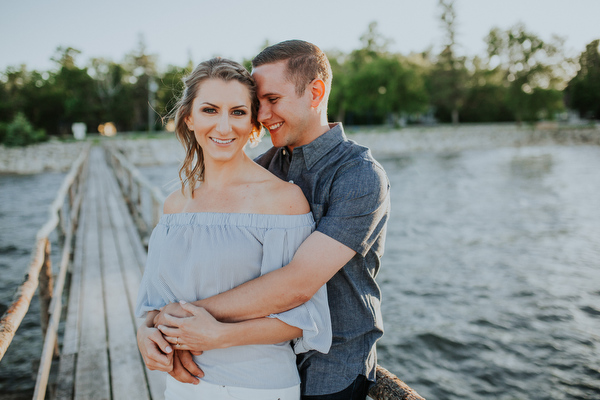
(24, 202)
(491, 280)
(491, 277)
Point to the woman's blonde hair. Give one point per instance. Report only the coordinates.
(192, 172)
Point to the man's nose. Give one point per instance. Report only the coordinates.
(264, 113)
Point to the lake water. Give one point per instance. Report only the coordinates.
(491, 277)
(24, 204)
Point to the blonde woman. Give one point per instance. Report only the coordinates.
(231, 222)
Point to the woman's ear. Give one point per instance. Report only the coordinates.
(189, 122)
(317, 91)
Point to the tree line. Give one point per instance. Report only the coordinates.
(521, 78)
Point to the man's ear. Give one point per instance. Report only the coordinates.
(317, 92)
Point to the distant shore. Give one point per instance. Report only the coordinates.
(52, 156)
(384, 143)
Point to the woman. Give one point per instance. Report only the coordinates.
(231, 222)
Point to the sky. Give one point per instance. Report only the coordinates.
(177, 31)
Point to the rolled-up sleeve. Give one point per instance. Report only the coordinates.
(314, 320)
(313, 316)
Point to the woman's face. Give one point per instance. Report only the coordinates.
(221, 119)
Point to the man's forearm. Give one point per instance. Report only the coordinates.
(257, 298)
(259, 331)
(315, 262)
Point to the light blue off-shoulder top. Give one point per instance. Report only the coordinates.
(192, 256)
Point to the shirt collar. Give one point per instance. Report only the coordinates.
(322, 145)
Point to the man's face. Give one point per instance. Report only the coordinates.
(282, 112)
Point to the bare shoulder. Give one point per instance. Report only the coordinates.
(285, 198)
(175, 202)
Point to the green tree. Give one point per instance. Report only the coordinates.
(583, 91)
(77, 88)
(141, 68)
(449, 74)
(376, 86)
(170, 87)
(530, 76)
(20, 132)
(11, 91)
(115, 93)
(485, 95)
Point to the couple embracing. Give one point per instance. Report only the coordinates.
(260, 279)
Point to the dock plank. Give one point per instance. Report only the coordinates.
(91, 377)
(133, 258)
(99, 357)
(127, 373)
(66, 369)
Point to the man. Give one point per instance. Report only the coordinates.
(348, 192)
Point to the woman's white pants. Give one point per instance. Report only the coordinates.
(185, 391)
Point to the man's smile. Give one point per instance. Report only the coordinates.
(274, 126)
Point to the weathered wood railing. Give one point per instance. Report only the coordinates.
(144, 200)
(390, 387)
(64, 213)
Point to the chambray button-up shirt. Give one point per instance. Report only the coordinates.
(348, 192)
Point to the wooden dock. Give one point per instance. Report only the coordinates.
(99, 358)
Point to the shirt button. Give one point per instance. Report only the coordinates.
(283, 152)
(291, 181)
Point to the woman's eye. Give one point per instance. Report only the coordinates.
(273, 99)
(209, 110)
(239, 112)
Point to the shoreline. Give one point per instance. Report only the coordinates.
(51, 156)
(57, 156)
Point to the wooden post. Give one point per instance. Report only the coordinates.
(156, 213)
(46, 284)
(389, 387)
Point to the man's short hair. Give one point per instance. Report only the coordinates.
(305, 62)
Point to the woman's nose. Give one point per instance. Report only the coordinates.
(223, 125)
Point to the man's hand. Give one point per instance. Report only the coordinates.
(156, 351)
(174, 309)
(185, 369)
(198, 332)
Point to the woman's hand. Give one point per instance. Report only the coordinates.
(198, 332)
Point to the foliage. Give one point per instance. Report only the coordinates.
(485, 96)
(20, 132)
(373, 86)
(449, 74)
(527, 63)
(583, 91)
(170, 88)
